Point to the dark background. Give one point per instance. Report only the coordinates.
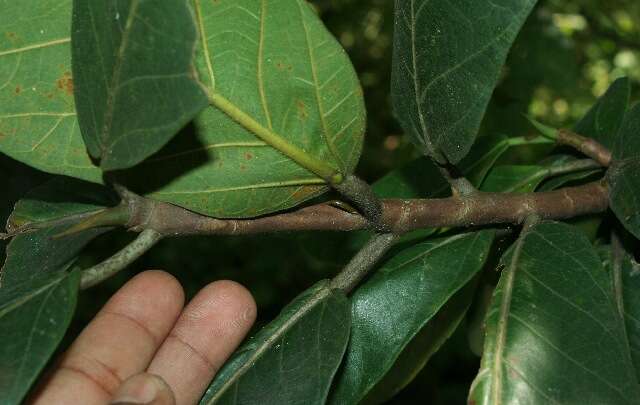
(567, 54)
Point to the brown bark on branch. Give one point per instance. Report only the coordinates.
(401, 216)
(588, 146)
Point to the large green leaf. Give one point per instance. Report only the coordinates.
(629, 271)
(625, 279)
(34, 316)
(624, 182)
(272, 68)
(50, 210)
(604, 119)
(273, 63)
(293, 359)
(425, 344)
(37, 115)
(134, 74)
(447, 60)
(398, 301)
(553, 331)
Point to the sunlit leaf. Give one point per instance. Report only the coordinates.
(553, 334)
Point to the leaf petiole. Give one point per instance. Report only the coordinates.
(300, 156)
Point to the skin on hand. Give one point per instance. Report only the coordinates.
(145, 347)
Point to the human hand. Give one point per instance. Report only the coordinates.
(143, 347)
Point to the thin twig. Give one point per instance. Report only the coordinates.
(588, 146)
(363, 262)
(118, 262)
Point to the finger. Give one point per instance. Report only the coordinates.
(118, 343)
(144, 388)
(208, 331)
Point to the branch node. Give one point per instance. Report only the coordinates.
(360, 194)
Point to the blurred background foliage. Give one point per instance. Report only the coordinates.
(567, 54)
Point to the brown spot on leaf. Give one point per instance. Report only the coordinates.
(243, 167)
(302, 110)
(65, 83)
(2, 136)
(18, 90)
(248, 156)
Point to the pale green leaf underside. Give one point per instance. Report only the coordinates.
(275, 61)
(553, 334)
(447, 59)
(38, 125)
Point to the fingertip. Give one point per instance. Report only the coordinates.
(144, 388)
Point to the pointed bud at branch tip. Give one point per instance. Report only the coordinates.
(545, 130)
(116, 216)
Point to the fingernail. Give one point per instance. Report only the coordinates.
(137, 391)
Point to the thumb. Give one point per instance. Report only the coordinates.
(144, 388)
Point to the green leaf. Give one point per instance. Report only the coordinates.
(604, 119)
(623, 179)
(629, 273)
(45, 212)
(409, 181)
(394, 306)
(424, 345)
(447, 60)
(216, 166)
(135, 82)
(34, 316)
(553, 331)
(514, 179)
(293, 359)
(37, 115)
(288, 113)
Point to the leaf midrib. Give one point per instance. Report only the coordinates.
(318, 298)
(113, 89)
(267, 134)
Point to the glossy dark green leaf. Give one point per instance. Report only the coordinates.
(447, 60)
(271, 67)
(392, 307)
(625, 281)
(623, 178)
(134, 76)
(34, 316)
(514, 179)
(38, 123)
(293, 359)
(422, 179)
(604, 119)
(45, 212)
(424, 345)
(553, 334)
